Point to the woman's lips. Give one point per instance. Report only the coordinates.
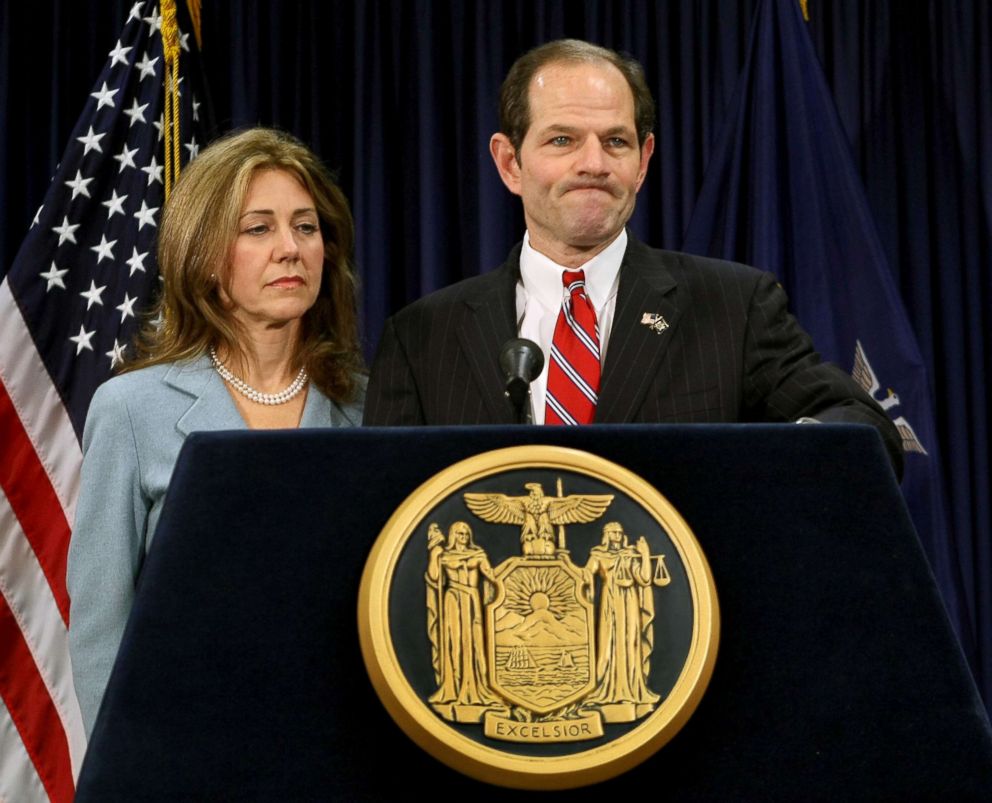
(287, 282)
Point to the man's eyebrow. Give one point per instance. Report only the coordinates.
(557, 128)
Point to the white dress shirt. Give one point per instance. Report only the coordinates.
(540, 294)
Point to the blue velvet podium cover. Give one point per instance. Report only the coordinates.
(240, 675)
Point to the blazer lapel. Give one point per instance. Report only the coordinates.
(635, 349)
(211, 407)
(489, 321)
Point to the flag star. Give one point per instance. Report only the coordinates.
(115, 204)
(92, 295)
(160, 125)
(145, 215)
(118, 54)
(135, 11)
(193, 147)
(154, 171)
(136, 113)
(66, 231)
(82, 340)
(78, 185)
(104, 97)
(127, 308)
(137, 261)
(91, 141)
(104, 250)
(36, 216)
(54, 277)
(154, 22)
(147, 67)
(196, 110)
(116, 354)
(126, 158)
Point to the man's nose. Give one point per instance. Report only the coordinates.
(592, 157)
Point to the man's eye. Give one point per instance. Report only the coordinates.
(616, 142)
(561, 141)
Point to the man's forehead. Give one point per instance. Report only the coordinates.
(593, 72)
(571, 91)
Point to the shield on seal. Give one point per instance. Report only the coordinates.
(540, 634)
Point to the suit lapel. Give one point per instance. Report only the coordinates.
(211, 406)
(489, 321)
(635, 350)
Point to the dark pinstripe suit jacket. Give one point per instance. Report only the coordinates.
(731, 352)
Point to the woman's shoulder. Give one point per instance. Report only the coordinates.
(148, 388)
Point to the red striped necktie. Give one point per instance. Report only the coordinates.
(573, 374)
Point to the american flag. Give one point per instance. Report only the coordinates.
(69, 306)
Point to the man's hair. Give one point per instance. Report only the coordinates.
(199, 227)
(514, 95)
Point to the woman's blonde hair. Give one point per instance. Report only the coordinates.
(198, 229)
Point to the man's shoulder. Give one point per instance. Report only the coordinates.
(473, 291)
(689, 268)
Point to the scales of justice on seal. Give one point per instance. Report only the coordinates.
(538, 617)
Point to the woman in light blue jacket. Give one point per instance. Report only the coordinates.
(257, 329)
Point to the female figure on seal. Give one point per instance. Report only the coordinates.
(454, 618)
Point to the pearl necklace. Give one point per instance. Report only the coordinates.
(257, 396)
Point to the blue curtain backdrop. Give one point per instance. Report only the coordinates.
(399, 97)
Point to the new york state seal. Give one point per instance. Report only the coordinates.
(538, 617)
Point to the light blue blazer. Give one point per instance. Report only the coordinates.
(135, 427)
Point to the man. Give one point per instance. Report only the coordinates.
(637, 335)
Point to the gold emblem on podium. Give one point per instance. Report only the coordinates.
(547, 619)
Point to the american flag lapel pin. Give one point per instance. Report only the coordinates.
(654, 321)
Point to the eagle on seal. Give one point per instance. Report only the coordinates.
(537, 514)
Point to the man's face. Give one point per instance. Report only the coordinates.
(579, 165)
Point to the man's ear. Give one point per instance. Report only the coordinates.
(505, 157)
(646, 150)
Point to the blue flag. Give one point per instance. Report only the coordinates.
(782, 193)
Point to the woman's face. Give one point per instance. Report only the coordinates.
(278, 253)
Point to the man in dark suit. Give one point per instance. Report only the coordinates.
(673, 337)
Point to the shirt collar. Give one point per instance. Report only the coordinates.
(541, 276)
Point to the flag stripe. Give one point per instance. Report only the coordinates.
(38, 404)
(32, 711)
(34, 503)
(19, 782)
(29, 595)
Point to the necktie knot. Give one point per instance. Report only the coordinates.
(574, 281)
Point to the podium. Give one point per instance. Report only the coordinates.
(240, 675)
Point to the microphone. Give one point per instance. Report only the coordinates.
(521, 361)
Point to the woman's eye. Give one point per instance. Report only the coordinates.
(307, 228)
(257, 229)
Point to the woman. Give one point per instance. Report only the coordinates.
(257, 329)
